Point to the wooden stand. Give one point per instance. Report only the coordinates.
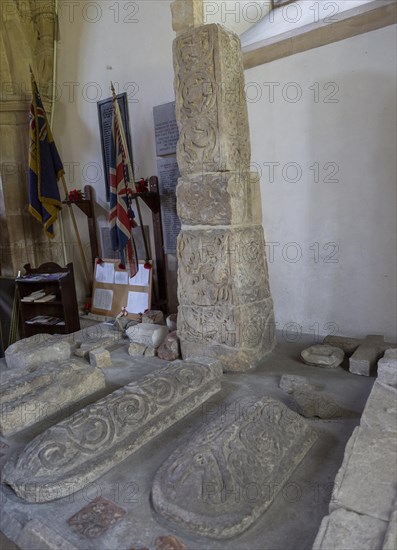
(64, 306)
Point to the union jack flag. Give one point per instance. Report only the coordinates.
(45, 166)
(122, 185)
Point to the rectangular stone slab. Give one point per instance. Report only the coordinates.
(81, 448)
(31, 396)
(364, 359)
(347, 529)
(36, 350)
(228, 474)
(366, 481)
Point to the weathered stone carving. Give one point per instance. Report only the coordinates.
(225, 307)
(222, 266)
(227, 198)
(84, 446)
(36, 350)
(30, 396)
(210, 103)
(229, 473)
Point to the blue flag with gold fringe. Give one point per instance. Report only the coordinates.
(45, 166)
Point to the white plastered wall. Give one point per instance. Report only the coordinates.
(331, 244)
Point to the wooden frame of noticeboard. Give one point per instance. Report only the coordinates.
(113, 289)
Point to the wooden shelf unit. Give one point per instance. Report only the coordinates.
(64, 306)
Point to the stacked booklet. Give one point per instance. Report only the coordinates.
(45, 320)
(38, 296)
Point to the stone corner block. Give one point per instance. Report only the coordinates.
(100, 357)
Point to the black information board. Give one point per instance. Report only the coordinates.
(105, 113)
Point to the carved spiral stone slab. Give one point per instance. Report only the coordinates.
(83, 447)
(229, 473)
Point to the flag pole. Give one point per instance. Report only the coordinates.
(131, 172)
(76, 230)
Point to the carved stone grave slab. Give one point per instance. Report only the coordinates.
(231, 470)
(89, 443)
(28, 396)
(36, 350)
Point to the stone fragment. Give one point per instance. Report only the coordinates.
(291, 382)
(204, 485)
(390, 542)
(366, 481)
(322, 355)
(348, 345)
(84, 446)
(344, 529)
(36, 350)
(171, 322)
(96, 518)
(364, 359)
(148, 334)
(153, 316)
(169, 349)
(169, 542)
(222, 198)
(380, 413)
(150, 352)
(35, 396)
(186, 14)
(211, 109)
(84, 349)
(37, 536)
(313, 404)
(136, 349)
(239, 336)
(100, 357)
(387, 368)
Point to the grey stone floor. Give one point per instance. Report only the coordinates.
(291, 522)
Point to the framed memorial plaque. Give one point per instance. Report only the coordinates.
(105, 113)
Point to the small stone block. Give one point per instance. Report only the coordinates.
(387, 368)
(153, 316)
(95, 519)
(322, 355)
(150, 352)
(344, 529)
(150, 335)
(136, 349)
(366, 481)
(313, 404)
(364, 359)
(100, 358)
(170, 348)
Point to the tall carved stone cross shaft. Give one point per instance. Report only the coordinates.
(225, 310)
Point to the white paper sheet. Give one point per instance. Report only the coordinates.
(104, 273)
(141, 278)
(138, 302)
(103, 299)
(121, 277)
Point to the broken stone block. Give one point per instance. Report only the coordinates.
(364, 359)
(136, 349)
(148, 334)
(348, 345)
(380, 411)
(227, 475)
(291, 382)
(211, 109)
(84, 446)
(390, 542)
(314, 404)
(38, 536)
(169, 349)
(387, 368)
(153, 316)
(222, 198)
(100, 357)
(150, 352)
(322, 355)
(34, 396)
(366, 481)
(85, 348)
(36, 350)
(347, 529)
(240, 337)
